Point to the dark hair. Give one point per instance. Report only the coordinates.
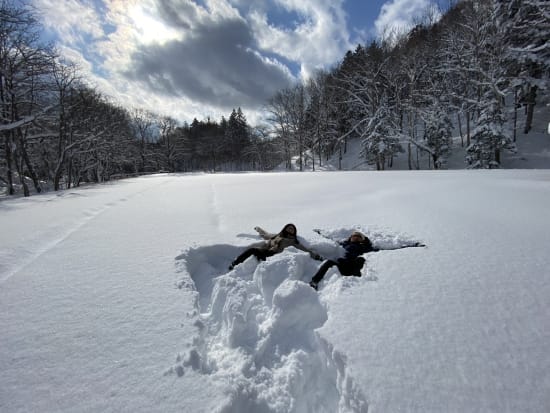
(285, 234)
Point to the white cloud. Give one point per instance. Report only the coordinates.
(77, 19)
(319, 40)
(400, 15)
(182, 59)
(201, 59)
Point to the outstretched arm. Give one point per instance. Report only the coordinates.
(398, 247)
(313, 254)
(263, 233)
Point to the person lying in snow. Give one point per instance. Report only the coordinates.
(352, 262)
(274, 244)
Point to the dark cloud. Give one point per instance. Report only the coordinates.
(215, 65)
(171, 12)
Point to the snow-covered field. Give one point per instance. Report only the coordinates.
(117, 298)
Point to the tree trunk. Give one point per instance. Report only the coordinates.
(530, 102)
(28, 163)
(9, 160)
(301, 151)
(460, 130)
(58, 171)
(468, 140)
(516, 106)
(19, 166)
(26, 191)
(320, 155)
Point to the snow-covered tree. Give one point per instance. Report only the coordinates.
(380, 136)
(490, 136)
(320, 121)
(411, 57)
(437, 134)
(366, 86)
(525, 26)
(24, 66)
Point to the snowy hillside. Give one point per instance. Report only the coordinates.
(118, 297)
(533, 150)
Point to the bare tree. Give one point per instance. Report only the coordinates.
(278, 107)
(23, 64)
(143, 122)
(167, 129)
(525, 26)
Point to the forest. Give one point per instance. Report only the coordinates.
(465, 73)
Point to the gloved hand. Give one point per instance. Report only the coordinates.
(317, 257)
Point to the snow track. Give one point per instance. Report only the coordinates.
(46, 237)
(256, 334)
(52, 236)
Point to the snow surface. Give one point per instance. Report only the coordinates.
(117, 298)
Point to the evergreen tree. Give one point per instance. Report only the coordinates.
(237, 136)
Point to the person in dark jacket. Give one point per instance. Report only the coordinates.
(274, 244)
(352, 262)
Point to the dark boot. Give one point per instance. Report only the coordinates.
(322, 271)
(242, 258)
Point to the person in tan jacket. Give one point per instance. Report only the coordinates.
(274, 244)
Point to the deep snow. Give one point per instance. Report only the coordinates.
(117, 297)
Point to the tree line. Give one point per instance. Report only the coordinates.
(56, 131)
(469, 71)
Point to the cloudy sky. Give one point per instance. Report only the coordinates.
(202, 58)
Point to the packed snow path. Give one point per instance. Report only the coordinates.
(117, 297)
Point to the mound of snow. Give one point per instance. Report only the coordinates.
(256, 334)
(257, 327)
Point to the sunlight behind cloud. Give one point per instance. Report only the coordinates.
(150, 30)
(191, 59)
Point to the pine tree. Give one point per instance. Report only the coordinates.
(237, 136)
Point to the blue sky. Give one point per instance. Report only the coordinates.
(187, 59)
